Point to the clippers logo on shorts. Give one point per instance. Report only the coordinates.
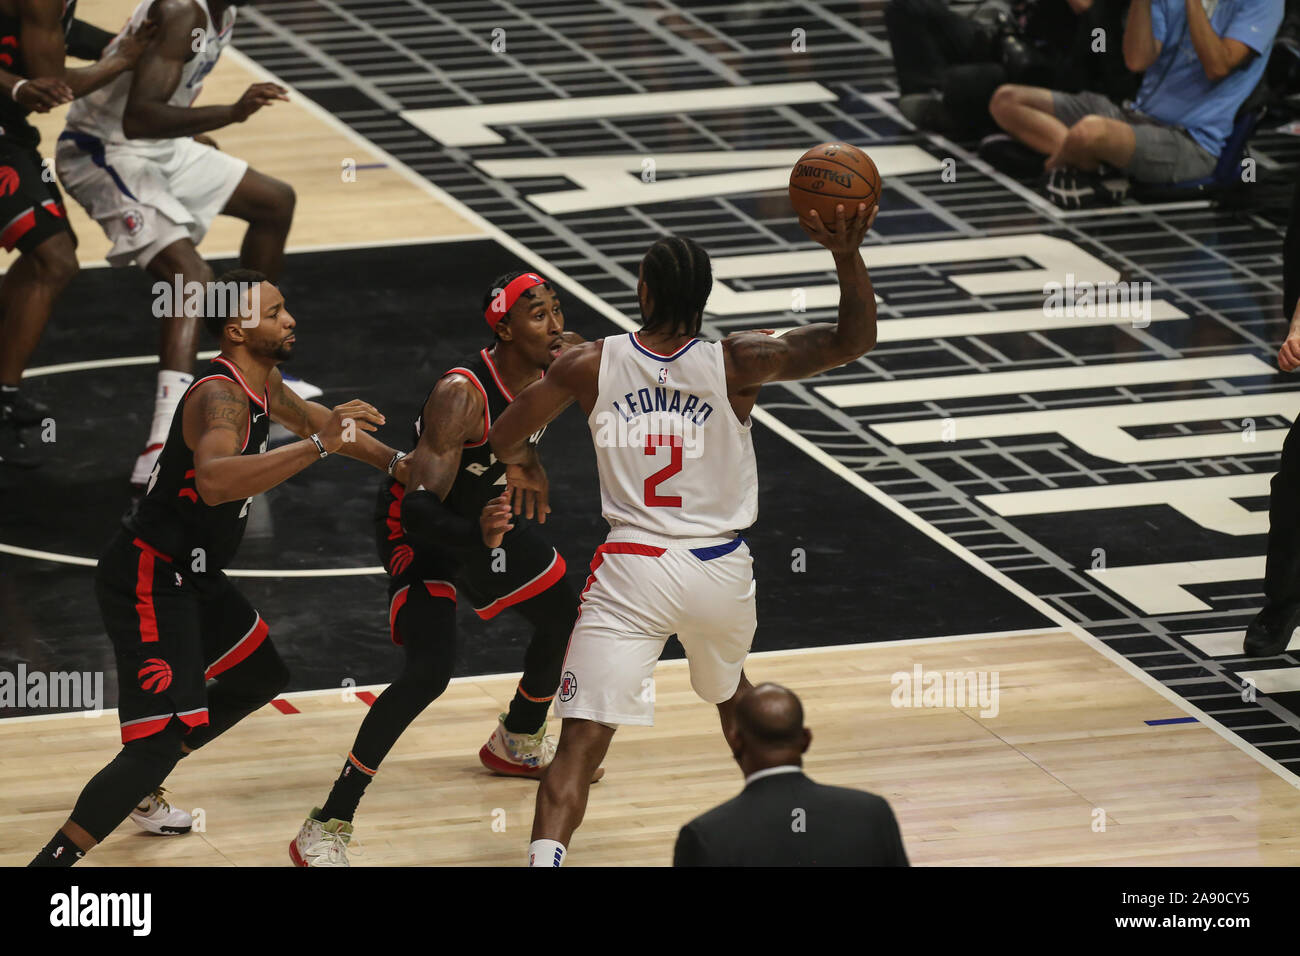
(155, 676)
(568, 686)
(133, 219)
(8, 180)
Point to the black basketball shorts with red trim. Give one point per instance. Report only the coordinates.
(171, 633)
(491, 580)
(31, 206)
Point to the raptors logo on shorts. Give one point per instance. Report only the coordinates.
(155, 676)
(568, 686)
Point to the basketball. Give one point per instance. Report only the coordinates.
(830, 174)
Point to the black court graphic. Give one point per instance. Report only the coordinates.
(1050, 446)
(833, 567)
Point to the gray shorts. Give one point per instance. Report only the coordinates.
(1163, 154)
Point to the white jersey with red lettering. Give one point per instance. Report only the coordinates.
(99, 114)
(673, 459)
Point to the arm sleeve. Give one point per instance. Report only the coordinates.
(86, 41)
(688, 851)
(1255, 24)
(428, 522)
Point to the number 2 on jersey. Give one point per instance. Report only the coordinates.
(652, 444)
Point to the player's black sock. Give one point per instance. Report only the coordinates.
(428, 629)
(347, 792)
(60, 851)
(552, 614)
(526, 716)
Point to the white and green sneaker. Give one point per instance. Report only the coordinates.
(321, 844)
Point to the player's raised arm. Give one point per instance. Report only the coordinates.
(754, 359)
(216, 427)
(306, 418)
(453, 415)
(44, 50)
(149, 114)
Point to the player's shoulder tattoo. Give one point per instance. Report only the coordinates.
(223, 406)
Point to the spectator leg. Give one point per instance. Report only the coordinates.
(1026, 113)
(1092, 141)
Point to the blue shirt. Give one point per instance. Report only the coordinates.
(1176, 91)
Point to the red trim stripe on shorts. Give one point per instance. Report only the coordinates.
(554, 571)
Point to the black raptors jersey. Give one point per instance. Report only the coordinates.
(171, 517)
(480, 478)
(13, 117)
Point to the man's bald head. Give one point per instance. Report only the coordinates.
(769, 728)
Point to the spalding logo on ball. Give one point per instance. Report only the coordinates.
(830, 174)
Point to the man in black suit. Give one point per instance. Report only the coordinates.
(782, 818)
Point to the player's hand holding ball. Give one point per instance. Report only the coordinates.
(345, 420)
(495, 520)
(847, 233)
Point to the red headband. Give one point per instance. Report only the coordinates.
(504, 301)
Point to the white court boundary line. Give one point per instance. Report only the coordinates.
(792, 437)
(676, 662)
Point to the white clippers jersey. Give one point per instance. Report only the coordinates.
(100, 113)
(673, 459)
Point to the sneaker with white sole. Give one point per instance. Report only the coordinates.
(156, 815)
(304, 390)
(321, 843)
(144, 466)
(520, 755)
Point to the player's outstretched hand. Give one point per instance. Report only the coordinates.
(848, 231)
(495, 520)
(1288, 356)
(257, 96)
(136, 42)
(344, 422)
(529, 490)
(43, 94)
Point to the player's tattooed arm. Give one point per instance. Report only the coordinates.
(453, 415)
(305, 418)
(216, 429)
(754, 358)
(42, 43)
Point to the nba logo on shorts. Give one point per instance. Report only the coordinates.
(663, 375)
(568, 686)
(133, 219)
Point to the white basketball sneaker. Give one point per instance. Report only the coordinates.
(521, 755)
(156, 815)
(321, 844)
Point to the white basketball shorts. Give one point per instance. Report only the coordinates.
(636, 597)
(146, 197)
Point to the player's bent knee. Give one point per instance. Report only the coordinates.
(56, 258)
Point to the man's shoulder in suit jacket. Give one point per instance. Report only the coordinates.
(787, 819)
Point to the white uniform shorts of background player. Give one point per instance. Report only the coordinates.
(675, 489)
(147, 193)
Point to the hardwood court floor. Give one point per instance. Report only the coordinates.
(291, 142)
(1021, 787)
